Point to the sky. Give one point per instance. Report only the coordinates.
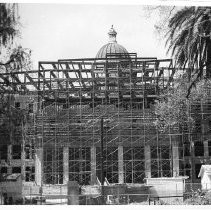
(64, 31)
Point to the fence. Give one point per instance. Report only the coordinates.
(134, 194)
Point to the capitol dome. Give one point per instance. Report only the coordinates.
(112, 47)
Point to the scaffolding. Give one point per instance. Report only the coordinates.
(70, 97)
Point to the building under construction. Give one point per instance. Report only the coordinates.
(93, 118)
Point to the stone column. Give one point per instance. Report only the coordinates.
(147, 155)
(9, 159)
(175, 156)
(120, 164)
(65, 165)
(23, 162)
(73, 193)
(38, 166)
(93, 164)
(206, 149)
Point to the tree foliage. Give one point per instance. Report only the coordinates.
(188, 40)
(12, 56)
(161, 15)
(199, 198)
(8, 23)
(17, 59)
(187, 32)
(173, 107)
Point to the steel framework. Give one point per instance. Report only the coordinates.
(70, 97)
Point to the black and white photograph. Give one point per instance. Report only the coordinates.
(105, 103)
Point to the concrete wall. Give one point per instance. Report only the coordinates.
(12, 188)
(166, 187)
(49, 190)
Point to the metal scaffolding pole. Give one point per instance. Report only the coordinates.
(102, 161)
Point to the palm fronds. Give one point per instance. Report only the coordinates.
(188, 40)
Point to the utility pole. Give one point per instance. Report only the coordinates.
(102, 161)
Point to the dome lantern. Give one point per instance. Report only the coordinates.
(112, 35)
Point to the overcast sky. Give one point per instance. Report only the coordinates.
(60, 31)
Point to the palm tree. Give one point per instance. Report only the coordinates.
(189, 41)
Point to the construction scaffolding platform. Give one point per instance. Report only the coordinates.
(66, 101)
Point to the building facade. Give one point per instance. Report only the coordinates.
(71, 118)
